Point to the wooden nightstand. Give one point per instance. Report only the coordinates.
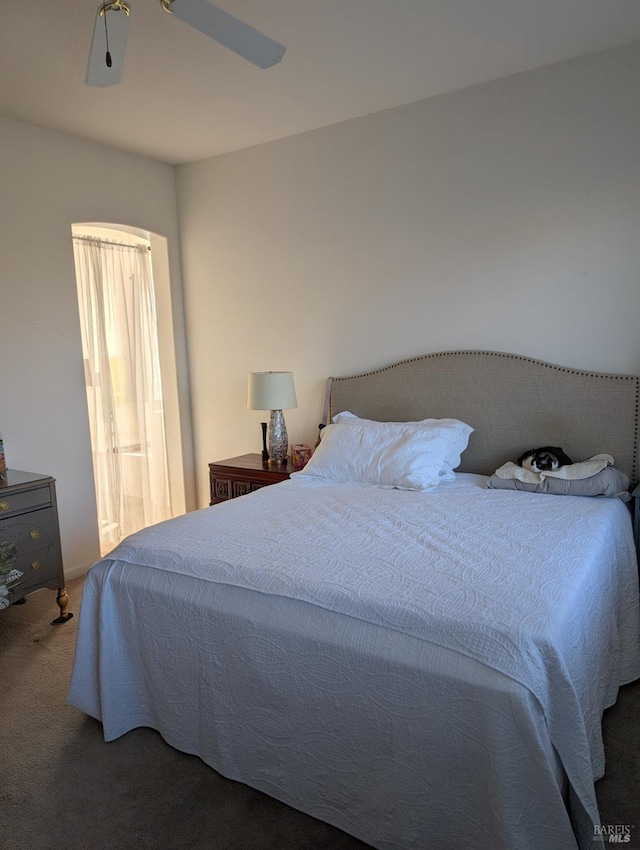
(238, 476)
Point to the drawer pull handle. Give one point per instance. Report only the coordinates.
(35, 565)
(4, 506)
(34, 534)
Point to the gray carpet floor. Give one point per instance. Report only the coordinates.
(62, 787)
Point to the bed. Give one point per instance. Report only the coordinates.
(418, 667)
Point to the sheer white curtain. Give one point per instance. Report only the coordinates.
(124, 389)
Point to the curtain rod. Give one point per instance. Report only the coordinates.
(104, 241)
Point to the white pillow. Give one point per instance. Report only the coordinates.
(458, 432)
(385, 454)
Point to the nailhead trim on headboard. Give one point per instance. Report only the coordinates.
(499, 354)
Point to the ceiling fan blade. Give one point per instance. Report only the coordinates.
(229, 31)
(98, 72)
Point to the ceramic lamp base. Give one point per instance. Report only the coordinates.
(278, 438)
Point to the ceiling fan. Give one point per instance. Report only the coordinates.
(106, 59)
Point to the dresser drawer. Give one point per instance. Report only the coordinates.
(34, 530)
(29, 500)
(37, 568)
(35, 537)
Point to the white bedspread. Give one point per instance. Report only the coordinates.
(486, 574)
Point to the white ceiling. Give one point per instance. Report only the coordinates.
(184, 97)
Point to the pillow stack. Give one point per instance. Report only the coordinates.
(596, 476)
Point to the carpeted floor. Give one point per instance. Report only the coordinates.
(62, 787)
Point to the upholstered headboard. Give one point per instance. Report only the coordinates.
(514, 403)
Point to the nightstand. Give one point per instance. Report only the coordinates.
(238, 476)
(29, 520)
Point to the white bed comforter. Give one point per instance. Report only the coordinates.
(542, 589)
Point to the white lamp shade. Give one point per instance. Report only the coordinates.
(271, 391)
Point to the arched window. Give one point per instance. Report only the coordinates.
(123, 379)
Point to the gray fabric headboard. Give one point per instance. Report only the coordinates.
(514, 403)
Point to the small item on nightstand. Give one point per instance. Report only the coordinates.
(3, 465)
(300, 455)
(265, 453)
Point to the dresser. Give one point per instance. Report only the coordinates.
(29, 520)
(238, 476)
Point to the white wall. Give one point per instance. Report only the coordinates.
(502, 217)
(49, 181)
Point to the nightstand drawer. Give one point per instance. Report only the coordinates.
(30, 500)
(240, 488)
(227, 488)
(220, 488)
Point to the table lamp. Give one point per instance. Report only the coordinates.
(276, 392)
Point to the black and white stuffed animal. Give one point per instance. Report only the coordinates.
(546, 459)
